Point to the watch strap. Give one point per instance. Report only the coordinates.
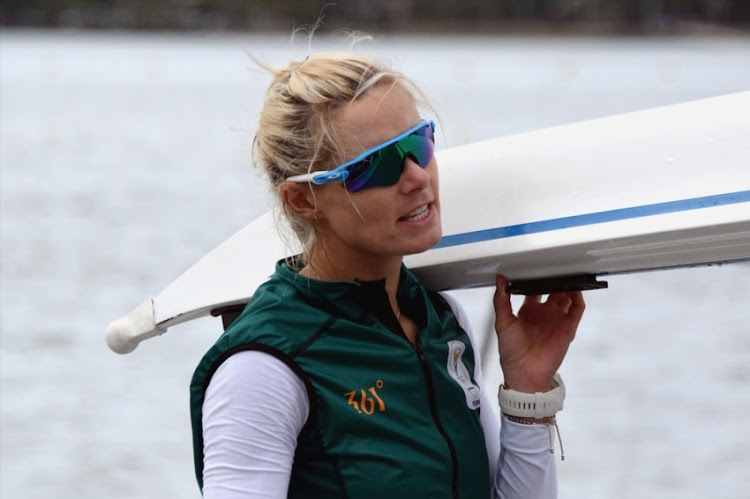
(533, 405)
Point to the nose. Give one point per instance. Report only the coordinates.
(414, 176)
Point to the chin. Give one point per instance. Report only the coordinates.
(426, 243)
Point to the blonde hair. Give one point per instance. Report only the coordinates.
(296, 130)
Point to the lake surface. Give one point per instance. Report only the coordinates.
(125, 158)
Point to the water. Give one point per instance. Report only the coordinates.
(126, 157)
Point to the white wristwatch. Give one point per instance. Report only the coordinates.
(533, 405)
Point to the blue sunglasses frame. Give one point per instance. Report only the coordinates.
(341, 173)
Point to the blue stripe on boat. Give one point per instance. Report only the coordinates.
(593, 218)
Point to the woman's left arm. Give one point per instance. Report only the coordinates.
(532, 345)
(521, 464)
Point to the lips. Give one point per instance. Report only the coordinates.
(417, 214)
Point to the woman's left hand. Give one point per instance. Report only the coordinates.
(533, 344)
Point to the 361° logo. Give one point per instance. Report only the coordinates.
(366, 401)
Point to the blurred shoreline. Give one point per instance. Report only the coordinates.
(490, 29)
(496, 17)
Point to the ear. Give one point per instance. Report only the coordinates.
(299, 197)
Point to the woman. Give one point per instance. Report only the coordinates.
(344, 377)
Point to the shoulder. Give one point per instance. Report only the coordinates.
(458, 311)
(274, 323)
(455, 305)
(279, 316)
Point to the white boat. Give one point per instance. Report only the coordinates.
(662, 188)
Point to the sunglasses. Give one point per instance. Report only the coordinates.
(382, 165)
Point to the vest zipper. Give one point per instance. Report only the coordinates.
(434, 412)
(390, 320)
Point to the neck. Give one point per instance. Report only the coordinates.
(325, 269)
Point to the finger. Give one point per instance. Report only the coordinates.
(532, 299)
(577, 306)
(503, 309)
(560, 300)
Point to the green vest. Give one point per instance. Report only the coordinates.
(387, 419)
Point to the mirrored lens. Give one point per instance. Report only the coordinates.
(384, 166)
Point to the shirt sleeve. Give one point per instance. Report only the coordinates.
(525, 468)
(254, 409)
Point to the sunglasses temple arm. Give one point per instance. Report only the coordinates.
(307, 177)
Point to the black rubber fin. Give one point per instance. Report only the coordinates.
(555, 285)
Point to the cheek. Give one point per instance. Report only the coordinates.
(345, 215)
(371, 216)
(432, 169)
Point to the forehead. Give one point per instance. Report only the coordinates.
(380, 114)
